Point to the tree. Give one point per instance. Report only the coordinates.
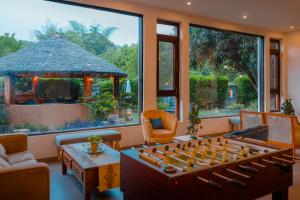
(125, 57)
(220, 48)
(94, 38)
(9, 44)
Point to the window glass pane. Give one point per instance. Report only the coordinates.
(223, 72)
(275, 102)
(167, 104)
(274, 72)
(166, 65)
(69, 67)
(166, 29)
(274, 45)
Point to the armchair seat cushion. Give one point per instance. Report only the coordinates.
(162, 133)
(3, 163)
(20, 157)
(24, 163)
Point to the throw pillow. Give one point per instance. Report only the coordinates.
(157, 123)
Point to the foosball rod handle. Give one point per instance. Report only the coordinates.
(248, 168)
(210, 182)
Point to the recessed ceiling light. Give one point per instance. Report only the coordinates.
(245, 17)
(292, 27)
(188, 3)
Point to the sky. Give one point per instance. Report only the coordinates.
(23, 16)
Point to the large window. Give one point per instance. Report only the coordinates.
(226, 71)
(167, 66)
(67, 66)
(275, 75)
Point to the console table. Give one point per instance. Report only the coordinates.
(87, 167)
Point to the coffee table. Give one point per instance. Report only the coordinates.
(85, 167)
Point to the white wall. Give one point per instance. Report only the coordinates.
(293, 63)
(133, 135)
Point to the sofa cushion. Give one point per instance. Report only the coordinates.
(3, 152)
(162, 133)
(3, 163)
(107, 136)
(20, 157)
(24, 163)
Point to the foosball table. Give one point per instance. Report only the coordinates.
(211, 168)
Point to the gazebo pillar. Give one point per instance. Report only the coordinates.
(9, 90)
(35, 82)
(87, 86)
(116, 92)
(116, 86)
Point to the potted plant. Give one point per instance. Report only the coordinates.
(94, 141)
(194, 123)
(287, 107)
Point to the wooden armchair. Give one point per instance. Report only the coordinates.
(158, 135)
(250, 119)
(283, 129)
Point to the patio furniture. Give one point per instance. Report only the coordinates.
(108, 136)
(92, 170)
(152, 135)
(21, 176)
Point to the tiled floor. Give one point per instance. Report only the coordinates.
(68, 188)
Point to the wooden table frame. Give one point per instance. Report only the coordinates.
(84, 169)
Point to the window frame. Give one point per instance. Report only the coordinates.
(261, 66)
(175, 41)
(276, 91)
(140, 66)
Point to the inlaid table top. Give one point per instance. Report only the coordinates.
(87, 161)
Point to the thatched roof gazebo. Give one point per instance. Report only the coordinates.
(56, 57)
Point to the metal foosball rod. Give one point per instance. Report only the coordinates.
(290, 156)
(238, 173)
(284, 160)
(210, 182)
(172, 157)
(230, 180)
(258, 164)
(279, 164)
(157, 162)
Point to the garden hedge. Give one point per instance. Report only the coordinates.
(246, 92)
(208, 91)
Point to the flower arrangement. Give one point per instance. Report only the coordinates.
(94, 140)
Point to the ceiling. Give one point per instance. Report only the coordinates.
(277, 15)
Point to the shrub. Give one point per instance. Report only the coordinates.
(208, 91)
(235, 107)
(101, 106)
(32, 127)
(129, 100)
(3, 115)
(246, 92)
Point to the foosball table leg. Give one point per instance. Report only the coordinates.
(281, 194)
